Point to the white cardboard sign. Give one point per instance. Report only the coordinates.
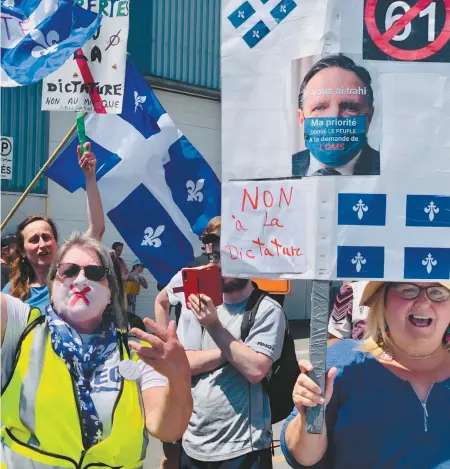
(105, 55)
(264, 233)
(357, 91)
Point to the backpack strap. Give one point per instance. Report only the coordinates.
(250, 312)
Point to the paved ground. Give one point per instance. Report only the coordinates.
(300, 332)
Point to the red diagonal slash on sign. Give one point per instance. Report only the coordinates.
(88, 78)
(383, 40)
(406, 19)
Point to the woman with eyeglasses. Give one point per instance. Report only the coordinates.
(387, 400)
(75, 392)
(37, 241)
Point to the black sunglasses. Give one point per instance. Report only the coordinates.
(410, 291)
(92, 272)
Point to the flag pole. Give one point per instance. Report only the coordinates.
(38, 175)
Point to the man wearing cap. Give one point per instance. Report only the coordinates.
(172, 295)
(231, 423)
(9, 255)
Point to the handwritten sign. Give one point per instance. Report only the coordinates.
(353, 97)
(105, 55)
(264, 228)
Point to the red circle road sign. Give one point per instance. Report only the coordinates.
(383, 40)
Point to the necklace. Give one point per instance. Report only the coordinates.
(424, 357)
(388, 354)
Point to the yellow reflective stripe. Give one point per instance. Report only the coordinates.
(11, 398)
(55, 391)
(34, 455)
(34, 314)
(134, 355)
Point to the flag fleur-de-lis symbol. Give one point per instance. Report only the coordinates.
(359, 261)
(431, 209)
(429, 262)
(194, 190)
(283, 8)
(46, 45)
(138, 101)
(360, 208)
(9, 3)
(256, 34)
(241, 14)
(151, 237)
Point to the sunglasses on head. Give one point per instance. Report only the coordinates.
(91, 272)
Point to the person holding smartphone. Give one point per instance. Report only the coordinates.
(231, 422)
(172, 295)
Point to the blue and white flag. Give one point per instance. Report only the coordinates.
(256, 21)
(427, 263)
(360, 262)
(428, 210)
(156, 188)
(362, 209)
(39, 36)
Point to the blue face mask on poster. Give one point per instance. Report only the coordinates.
(335, 141)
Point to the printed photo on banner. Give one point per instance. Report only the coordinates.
(336, 117)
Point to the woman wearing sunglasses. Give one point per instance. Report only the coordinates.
(37, 241)
(388, 399)
(75, 392)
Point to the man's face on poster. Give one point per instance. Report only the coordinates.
(321, 98)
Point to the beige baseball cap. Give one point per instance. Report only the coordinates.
(373, 287)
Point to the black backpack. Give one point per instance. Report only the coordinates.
(285, 370)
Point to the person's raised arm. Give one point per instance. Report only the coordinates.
(96, 217)
(162, 306)
(167, 409)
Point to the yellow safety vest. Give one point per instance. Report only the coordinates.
(132, 288)
(41, 418)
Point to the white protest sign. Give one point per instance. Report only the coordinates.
(263, 233)
(359, 92)
(103, 64)
(6, 145)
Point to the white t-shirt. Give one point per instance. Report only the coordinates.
(176, 295)
(105, 381)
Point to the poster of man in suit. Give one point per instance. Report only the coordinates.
(335, 108)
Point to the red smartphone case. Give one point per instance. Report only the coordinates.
(206, 281)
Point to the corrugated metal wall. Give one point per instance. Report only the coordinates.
(22, 119)
(177, 39)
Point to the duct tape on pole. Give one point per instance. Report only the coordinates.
(320, 300)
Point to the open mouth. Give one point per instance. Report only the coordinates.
(43, 254)
(419, 321)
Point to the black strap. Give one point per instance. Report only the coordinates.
(251, 309)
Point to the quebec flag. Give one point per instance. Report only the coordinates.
(39, 36)
(156, 188)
